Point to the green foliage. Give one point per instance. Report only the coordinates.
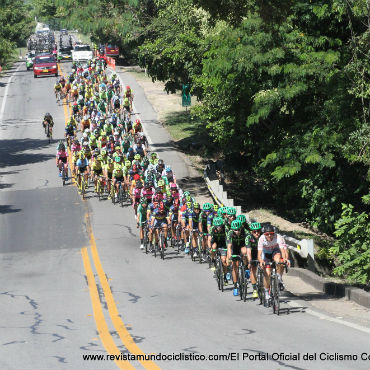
(15, 27)
(351, 248)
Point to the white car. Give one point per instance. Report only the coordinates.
(81, 53)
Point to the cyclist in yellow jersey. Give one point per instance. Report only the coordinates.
(117, 177)
(57, 90)
(96, 167)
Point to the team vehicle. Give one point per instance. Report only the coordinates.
(45, 64)
(81, 53)
(29, 60)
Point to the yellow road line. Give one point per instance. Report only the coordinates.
(101, 324)
(120, 327)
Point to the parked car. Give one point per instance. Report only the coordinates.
(81, 53)
(45, 64)
(111, 50)
(29, 59)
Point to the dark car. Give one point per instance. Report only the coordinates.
(45, 64)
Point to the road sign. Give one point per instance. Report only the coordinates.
(186, 97)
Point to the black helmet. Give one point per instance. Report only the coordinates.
(268, 229)
(161, 162)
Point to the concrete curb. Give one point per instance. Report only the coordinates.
(332, 288)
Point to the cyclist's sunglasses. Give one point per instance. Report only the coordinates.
(269, 234)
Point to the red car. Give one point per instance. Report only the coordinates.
(45, 65)
(111, 50)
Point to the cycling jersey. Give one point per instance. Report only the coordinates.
(142, 212)
(206, 220)
(269, 246)
(252, 243)
(236, 241)
(218, 237)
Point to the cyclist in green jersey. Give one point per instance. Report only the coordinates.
(217, 240)
(230, 217)
(236, 240)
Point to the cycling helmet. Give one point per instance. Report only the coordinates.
(117, 147)
(136, 177)
(255, 226)
(82, 155)
(161, 162)
(160, 183)
(143, 201)
(231, 211)
(137, 157)
(189, 205)
(207, 207)
(137, 121)
(99, 158)
(128, 87)
(117, 159)
(154, 154)
(196, 206)
(268, 229)
(215, 207)
(96, 151)
(236, 225)
(242, 219)
(173, 186)
(103, 151)
(84, 135)
(168, 169)
(218, 221)
(186, 194)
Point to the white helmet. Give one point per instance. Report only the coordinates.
(84, 135)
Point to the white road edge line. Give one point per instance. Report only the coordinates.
(322, 316)
(6, 94)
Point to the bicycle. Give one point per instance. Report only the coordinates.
(274, 287)
(100, 186)
(220, 269)
(179, 241)
(161, 243)
(260, 286)
(82, 186)
(64, 175)
(49, 131)
(146, 237)
(242, 280)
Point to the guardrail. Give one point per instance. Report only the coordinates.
(304, 248)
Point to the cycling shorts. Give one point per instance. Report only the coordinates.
(159, 223)
(82, 169)
(120, 179)
(63, 159)
(98, 172)
(269, 257)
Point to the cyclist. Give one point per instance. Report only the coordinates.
(96, 166)
(217, 243)
(236, 247)
(136, 194)
(57, 89)
(271, 247)
(230, 217)
(82, 166)
(48, 119)
(128, 95)
(173, 217)
(117, 178)
(251, 243)
(168, 173)
(69, 133)
(62, 159)
(159, 221)
(205, 224)
(108, 173)
(141, 219)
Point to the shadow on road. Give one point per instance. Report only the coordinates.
(11, 152)
(7, 209)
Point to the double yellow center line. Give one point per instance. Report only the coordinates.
(101, 324)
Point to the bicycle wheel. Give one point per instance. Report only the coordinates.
(276, 299)
(112, 193)
(241, 279)
(98, 189)
(146, 239)
(155, 249)
(220, 275)
(121, 196)
(200, 249)
(161, 245)
(245, 287)
(83, 187)
(261, 291)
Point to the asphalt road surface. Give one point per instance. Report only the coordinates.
(74, 281)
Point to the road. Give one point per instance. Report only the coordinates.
(74, 281)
